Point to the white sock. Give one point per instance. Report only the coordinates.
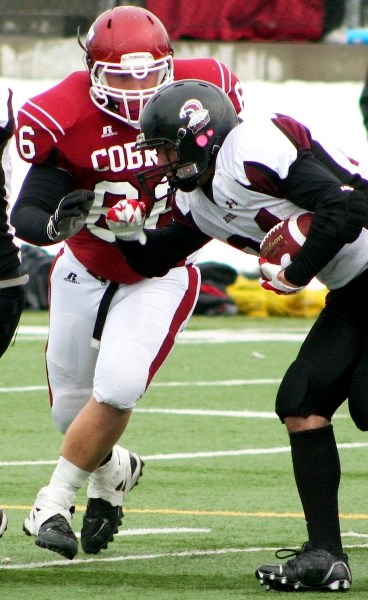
(59, 496)
(104, 480)
(67, 476)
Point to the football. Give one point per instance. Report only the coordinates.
(283, 242)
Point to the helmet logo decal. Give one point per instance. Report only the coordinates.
(198, 116)
(141, 58)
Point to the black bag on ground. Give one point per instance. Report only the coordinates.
(213, 298)
(37, 263)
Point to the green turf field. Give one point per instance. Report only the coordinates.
(217, 495)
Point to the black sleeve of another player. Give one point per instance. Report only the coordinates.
(339, 216)
(40, 194)
(164, 249)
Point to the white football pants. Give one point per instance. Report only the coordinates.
(142, 323)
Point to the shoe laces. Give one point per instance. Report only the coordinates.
(292, 553)
(285, 553)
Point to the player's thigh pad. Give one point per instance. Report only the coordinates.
(317, 382)
(140, 330)
(71, 360)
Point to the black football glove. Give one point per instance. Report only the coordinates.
(70, 215)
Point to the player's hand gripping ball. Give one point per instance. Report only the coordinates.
(126, 220)
(278, 249)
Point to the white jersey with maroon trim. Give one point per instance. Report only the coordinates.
(62, 127)
(244, 201)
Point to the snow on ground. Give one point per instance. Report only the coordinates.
(331, 110)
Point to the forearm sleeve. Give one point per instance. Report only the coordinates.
(40, 194)
(164, 249)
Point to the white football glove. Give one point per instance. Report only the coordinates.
(270, 281)
(126, 220)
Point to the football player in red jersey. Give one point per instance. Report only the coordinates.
(239, 181)
(110, 328)
(12, 281)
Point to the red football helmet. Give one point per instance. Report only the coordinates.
(127, 41)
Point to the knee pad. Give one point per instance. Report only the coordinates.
(122, 392)
(61, 420)
(308, 389)
(122, 399)
(292, 390)
(65, 408)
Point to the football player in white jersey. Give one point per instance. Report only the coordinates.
(237, 182)
(110, 328)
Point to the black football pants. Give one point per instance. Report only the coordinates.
(332, 364)
(11, 305)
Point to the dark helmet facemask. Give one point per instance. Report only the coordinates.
(178, 175)
(192, 117)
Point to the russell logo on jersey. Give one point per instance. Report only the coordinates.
(72, 278)
(107, 131)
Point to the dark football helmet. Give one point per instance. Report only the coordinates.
(127, 40)
(191, 117)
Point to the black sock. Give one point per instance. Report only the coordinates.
(317, 474)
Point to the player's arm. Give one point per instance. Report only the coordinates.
(46, 210)
(341, 171)
(163, 250)
(153, 252)
(340, 213)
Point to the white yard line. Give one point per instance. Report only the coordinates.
(230, 382)
(159, 555)
(192, 455)
(207, 336)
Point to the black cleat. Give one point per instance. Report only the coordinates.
(101, 519)
(56, 535)
(100, 522)
(310, 569)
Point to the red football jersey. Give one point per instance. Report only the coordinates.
(99, 152)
